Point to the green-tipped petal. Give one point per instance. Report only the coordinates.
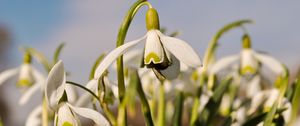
(154, 52)
(113, 55)
(249, 63)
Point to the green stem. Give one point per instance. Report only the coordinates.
(295, 102)
(44, 112)
(178, 109)
(82, 87)
(145, 105)
(161, 106)
(40, 58)
(120, 41)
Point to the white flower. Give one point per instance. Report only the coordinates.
(55, 92)
(249, 60)
(161, 53)
(28, 76)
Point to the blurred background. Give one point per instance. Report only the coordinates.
(90, 27)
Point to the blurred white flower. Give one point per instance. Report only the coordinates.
(56, 97)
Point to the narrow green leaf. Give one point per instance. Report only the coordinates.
(57, 52)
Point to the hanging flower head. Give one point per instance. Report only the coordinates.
(57, 99)
(162, 53)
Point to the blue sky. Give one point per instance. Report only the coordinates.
(89, 27)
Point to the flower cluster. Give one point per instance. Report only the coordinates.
(166, 79)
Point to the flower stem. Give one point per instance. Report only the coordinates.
(295, 102)
(178, 109)
(161, 106)
(120, 41)
(44, 112)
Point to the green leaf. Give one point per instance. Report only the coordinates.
(57, 52)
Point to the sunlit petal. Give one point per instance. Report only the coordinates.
(91, 114)
(34, 118)
(253, 86)
(181, 50)
(8, 74)
(223, 63)
(113, 55)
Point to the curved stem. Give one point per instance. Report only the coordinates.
(120, 41)
(209, 53)
(82, 87)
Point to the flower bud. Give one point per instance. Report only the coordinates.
(246, 41)
(26, 78)
(152, 20)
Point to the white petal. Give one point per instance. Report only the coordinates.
(55, 84)
(71, 93)
(86, 97)
(66, 115)
(181, 50)
(256, 101)
(287, 113)
(113, 55)
(172, 71)
(91, 114)
(253, 86)
(34, 117)
(8, 74)
(37, 75)
(27, 95)
(270, 62)
(223, 63)
(273, 94)
(154, 52)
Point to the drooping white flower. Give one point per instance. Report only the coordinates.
(56, 97)
(162, 53)
(28, 77)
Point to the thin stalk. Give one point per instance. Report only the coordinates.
(178, 109)
(295, 102)
(44, 112)
(120, 41)
(145, 105)
(161, 117)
